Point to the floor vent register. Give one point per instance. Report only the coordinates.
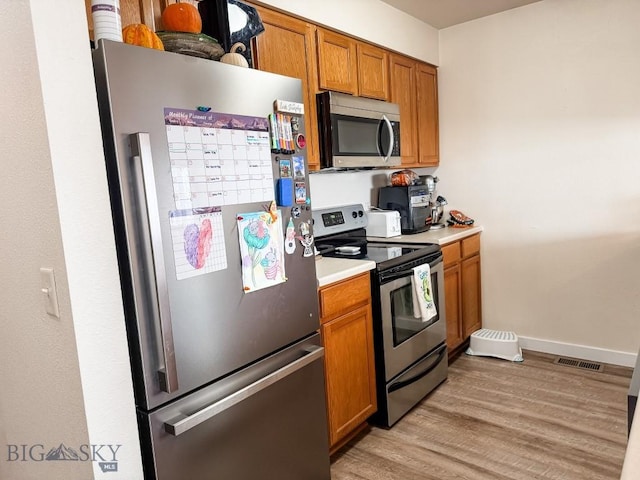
(572, 362)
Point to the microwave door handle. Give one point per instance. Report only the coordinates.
(168, 375)
(387, 122)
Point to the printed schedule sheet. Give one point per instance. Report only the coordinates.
(218, 159)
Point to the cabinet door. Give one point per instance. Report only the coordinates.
(287, 47)
(427, 103)
(402, 72)
(337, 63)
(373, 81)
(452, 287)
(350, 371)
(471, 295)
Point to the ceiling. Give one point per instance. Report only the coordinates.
(445, 13)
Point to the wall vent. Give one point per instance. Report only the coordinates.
(583, 364)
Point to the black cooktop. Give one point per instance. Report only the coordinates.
(354, 245)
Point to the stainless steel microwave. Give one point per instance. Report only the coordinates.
(357, 132)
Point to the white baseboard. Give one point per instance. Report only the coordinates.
(583, 352)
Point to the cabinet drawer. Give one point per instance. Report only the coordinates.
(451, 253)
(344, 296)
(470, 246)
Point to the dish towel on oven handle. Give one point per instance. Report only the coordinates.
(424, 306)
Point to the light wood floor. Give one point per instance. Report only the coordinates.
(497, 420)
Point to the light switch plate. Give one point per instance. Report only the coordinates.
(48, 288)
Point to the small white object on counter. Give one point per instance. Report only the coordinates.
(440, 237)
(383, 223)
(332, 269)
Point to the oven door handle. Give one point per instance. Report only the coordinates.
(389, 276)
(398, 385)
(395, 275)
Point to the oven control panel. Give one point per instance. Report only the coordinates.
(327, 221)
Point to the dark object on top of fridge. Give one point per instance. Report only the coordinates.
(229, 22)
(226, 361)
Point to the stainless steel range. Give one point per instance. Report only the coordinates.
(410, 349)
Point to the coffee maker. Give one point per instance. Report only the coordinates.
(413, 204)
(420, 207)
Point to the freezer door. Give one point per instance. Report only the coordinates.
(267, 421)
(187, 333)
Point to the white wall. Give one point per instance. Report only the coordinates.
(41, 398)
(64, 380)
(540, 122)
(370, 20)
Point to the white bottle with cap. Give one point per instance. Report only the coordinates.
(106, 20)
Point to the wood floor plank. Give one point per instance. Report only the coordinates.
(497, 420)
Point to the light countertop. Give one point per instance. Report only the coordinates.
(331, 269)
(441, 236)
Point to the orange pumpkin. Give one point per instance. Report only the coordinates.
(141, 35)
(181, 17)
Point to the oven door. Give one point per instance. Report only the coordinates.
(406, 338)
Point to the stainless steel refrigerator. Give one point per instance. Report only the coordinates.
(227, 369)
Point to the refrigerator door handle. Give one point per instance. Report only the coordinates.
(141, 148)
(185, 423)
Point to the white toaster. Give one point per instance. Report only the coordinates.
(383, 223)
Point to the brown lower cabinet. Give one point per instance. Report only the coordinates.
(462, 284)
(347, 334)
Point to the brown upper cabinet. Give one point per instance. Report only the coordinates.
(427, 107)
(337, 62)
(327, 60)
(414, 86)
(348, 66)
(403, 92)
(373, 76)
(287, 47)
